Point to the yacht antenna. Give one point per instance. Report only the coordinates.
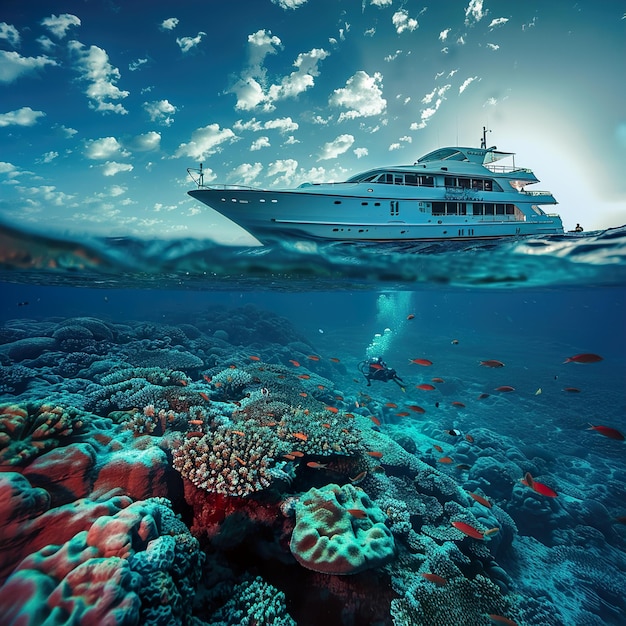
(201, 177)
(483, 141)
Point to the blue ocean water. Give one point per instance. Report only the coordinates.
(485, 328)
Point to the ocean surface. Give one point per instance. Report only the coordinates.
(192, 433)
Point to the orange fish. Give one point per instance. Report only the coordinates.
(438, 447)
(289, 457)
(492, 363)
(434, 578)
(304, 394)
(403, 414)
(572, 389)
(492, 531)
(313, 357)
(505, 388)
(326, 425)
(238, 432)
(437, 380)
(375, 366)
(375, 454)
(445, 459)
(321, 387)
(194, 433)
(458, 404)
(183, 382)
(426, 387)
(375, 420)
(469, 438)
(300, 436)
(358, 513)
(205, 396)
(416, 409)
(583, 358)
(332, 409)
(316, 465)
(482, 396)
(297, 453)
(468, 530)
(410, 316)
(195, 422)
(239, 460)
(349, 415)
(480, 499)
(500, 619)
(253, 357)
(463, 466)
(359, 477)
(607, 431)
(294, 363)
(424, 362)
(334, 359)
(304, 376)
(207, 378)
(391, 405)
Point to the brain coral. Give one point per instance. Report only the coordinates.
(339, 530)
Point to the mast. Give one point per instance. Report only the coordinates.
(483, 141)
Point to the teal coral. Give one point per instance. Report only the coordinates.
(339, 530)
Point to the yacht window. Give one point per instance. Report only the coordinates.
(478, 208)
(510, 209)
(464, 183)
(477, 184)
(410, 179)
(398, 179)
(439, 208)
(449, 181)
(500, 209)
(427, 181)
(489, 208)
(488, 185)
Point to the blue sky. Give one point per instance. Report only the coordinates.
(104, 104)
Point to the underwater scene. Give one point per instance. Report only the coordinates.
(425, 434)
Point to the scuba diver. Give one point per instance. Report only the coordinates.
(376, 369)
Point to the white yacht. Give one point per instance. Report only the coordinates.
(451, 193)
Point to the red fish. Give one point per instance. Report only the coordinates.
(358, 513)
(332, 409)
(326, 425)
(492, 363)
(469, 438)
(410, 316)
(437, 447)
(359, 477)
(204, 396)
(375, 454)
(403, 414)
(391, 405)
(253, 357)
(416, 409)
(304, 376)
(289, 457)
(297, 453)
(424, 362)
(207, 378)
(505, 388)
(538, 487)
(440, 581)
(583, 358)
(482, 396)
(316, 465)
(426, 387)
(313, 357)
(195, 422)
(294, 363)
(572, 389)
(437, 380)
(238, 432)
(376, 366)
(458, 404)
(300, 436)
(607, 431)
(480, 499)
(304, 394)
(375, 420)
(334, 359)
(468, 530)
(445, 459)
(500, 619)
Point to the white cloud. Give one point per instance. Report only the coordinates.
(246, 173)
(68, 132)
(10, 33)
(466, 83)
(204, 141)
(8, 168)
(284, 170)
(111, 168)
(250, 88)
(104, 148)
(332, 149)
(261, 142)
(362, 96)
(135, 65)
(93, 65)
(370, 32)
(498, 21)
(46, 43)
(58, 25)
(394, 146)
(290, 4)
(402, 22)
(188, 43)
(146, 142)
(49, 194)
(13, 65)
(170, 23)
(282, 124)
(436, 98)
(361, 152)
(493, 46)
(117, 190)
(48, 157)
(21, 117)
(392, 57)
(443, 35)
(160, 111)
(474, 12)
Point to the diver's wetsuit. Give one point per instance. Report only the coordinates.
(376, 369)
